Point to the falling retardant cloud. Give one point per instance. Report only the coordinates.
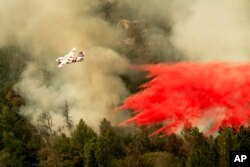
(203, 95)
(176, 99)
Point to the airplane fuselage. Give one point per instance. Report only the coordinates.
(70, 58)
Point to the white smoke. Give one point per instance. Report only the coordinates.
(92, 88)
(214, 30)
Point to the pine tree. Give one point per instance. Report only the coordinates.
(243, 139)
(82, 135)
(17, 142)
(89, 154)
(225, 143)
(200, 152)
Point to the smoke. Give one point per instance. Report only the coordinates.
(198, 30)
(148, 26)
(49, 29)
(214, 30)
(91, 89)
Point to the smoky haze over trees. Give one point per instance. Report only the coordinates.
(51, 117)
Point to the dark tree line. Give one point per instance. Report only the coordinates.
(22, 144)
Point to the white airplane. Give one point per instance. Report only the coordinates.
(70, 58)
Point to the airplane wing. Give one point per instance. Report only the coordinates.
(64, 61)
(71, 53)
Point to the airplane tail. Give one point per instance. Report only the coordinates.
(81, 54)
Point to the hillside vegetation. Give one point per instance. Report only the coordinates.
(23, 144)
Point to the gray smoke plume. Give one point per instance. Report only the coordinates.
(214, 30)
(91, 89)
(203, 30)
(48, 29)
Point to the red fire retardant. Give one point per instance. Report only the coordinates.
(209, 95)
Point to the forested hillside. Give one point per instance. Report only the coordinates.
(23, 144)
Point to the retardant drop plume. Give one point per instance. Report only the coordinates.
(192, 94)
